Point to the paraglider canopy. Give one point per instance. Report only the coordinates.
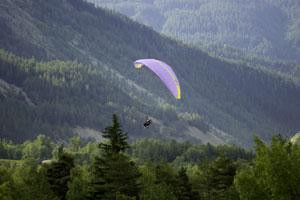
(295, 139)
(164, 72)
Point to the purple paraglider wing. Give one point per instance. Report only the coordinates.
(164, 72)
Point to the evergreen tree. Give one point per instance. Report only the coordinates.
(58, 173)
(114, 175)
(219, 179)
(183, 190)
(116, 137)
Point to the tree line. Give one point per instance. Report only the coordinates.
(147, 169)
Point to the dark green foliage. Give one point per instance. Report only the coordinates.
(54, 97)
(113, 173)
(183, 189)
(151, 188)
(58, 173)
(176, 184)
(220, 177)
(165, 175)
(216, 180)
(272, 174)
(265, 28)
(117, 139)
(233, 97)
(156, 151)
(120, 177)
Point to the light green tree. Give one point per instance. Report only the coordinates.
(274, 174)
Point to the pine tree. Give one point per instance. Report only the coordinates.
(58, 173)
(220, 178)
(183, 190)
(116, 137)
(113, 173)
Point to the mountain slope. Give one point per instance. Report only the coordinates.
(267, 28)
(234, 98)
(60, 98)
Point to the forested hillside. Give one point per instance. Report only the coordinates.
(267, 28)
(60, 98)
(93, 75)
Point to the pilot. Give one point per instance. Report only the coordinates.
(148, 122)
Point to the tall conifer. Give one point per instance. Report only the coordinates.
(113, 173)
(58, 173)
(183, 190)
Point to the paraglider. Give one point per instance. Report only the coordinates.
(166, 75)
(147, 122)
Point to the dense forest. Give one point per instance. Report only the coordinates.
(57, 97)
(147, 169)
(72, 104)
(266, 28)
(74, 67)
